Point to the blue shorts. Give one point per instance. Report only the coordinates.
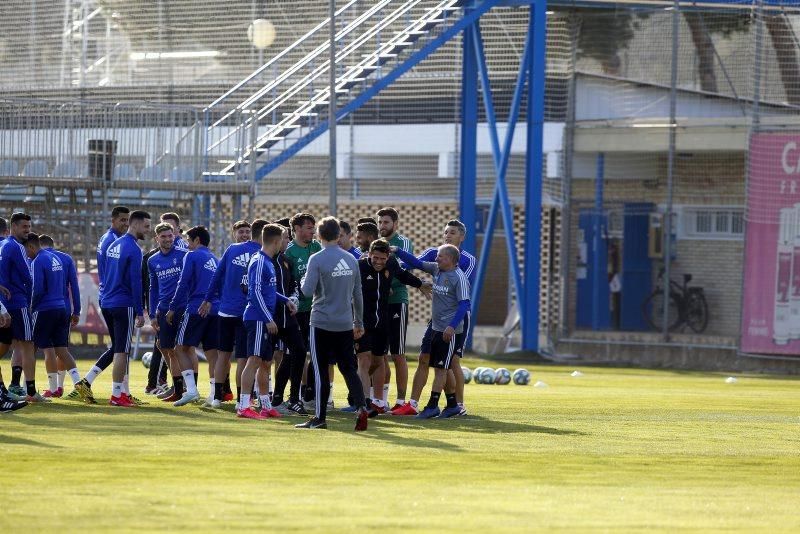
(195, 330)
(48, 328)
(460, 338)
(168, 332)
(232, 334)
(21, 325)
(258, 340)
(442, 351)
(120, 323)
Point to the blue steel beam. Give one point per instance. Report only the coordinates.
(483, 259)
(501, 157)
(469, 142)
(537, 28)
(413, 60)
(599, 281)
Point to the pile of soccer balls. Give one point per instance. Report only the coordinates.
(502, 376)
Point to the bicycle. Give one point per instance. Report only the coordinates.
(687, 306)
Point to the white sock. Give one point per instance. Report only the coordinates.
(371, 392)
(60, 379)
(413, 403)
(265, 403)
(126, 387)
(244, 401)
(92, 374)
(400, 401)
(269, 385)
(52, 380)
(188, 379)
(386, 393)
(116, 389)
(74, 375)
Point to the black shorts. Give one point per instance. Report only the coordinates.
(461, 338)
(6, 336)
(21, 325)
(168, 332)
(120, 322)
(232, 335)
(195, 330)
(442, 351)
(374, 340)
(330, 347)
(398, 323)
(49, 328)
(258, 340)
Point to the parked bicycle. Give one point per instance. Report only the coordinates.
(687, 306)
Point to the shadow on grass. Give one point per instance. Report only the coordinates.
(476, 424)
(11, 440)
(382, 429)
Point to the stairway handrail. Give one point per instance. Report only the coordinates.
(279, 55)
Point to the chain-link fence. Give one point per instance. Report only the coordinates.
(649, 112)
(658, 163)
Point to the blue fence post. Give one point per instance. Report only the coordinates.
(598, 269)
(537, 29)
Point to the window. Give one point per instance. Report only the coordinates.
(711, 222)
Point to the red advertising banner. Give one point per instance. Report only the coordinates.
(771, 304)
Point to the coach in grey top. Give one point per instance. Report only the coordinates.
(333, 278)
(450, 305)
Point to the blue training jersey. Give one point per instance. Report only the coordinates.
(227, 281)
(48, 282)
(466, 262)
(262, 295)
(123, 275)
(199, 266)
(72, 293)
(164, 271)
(105, 241)
(356, 252)
(15, 274)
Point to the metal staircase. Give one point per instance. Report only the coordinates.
(281, 107)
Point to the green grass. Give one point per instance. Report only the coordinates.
(614, 449)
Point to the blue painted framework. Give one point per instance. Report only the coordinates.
(531, 74)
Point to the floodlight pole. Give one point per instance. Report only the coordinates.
(673, 95)
(332, 112)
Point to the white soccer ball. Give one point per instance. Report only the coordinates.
(522, 377)
(502, 376)
(147, 357)
(476, 374)
(488, 376)
(467, 374)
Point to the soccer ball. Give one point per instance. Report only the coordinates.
(476, 374)
(488, 376)
(502, 376)
(467, 374)
(146, 358)
(522, 377)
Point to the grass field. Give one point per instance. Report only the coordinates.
(615, 449)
